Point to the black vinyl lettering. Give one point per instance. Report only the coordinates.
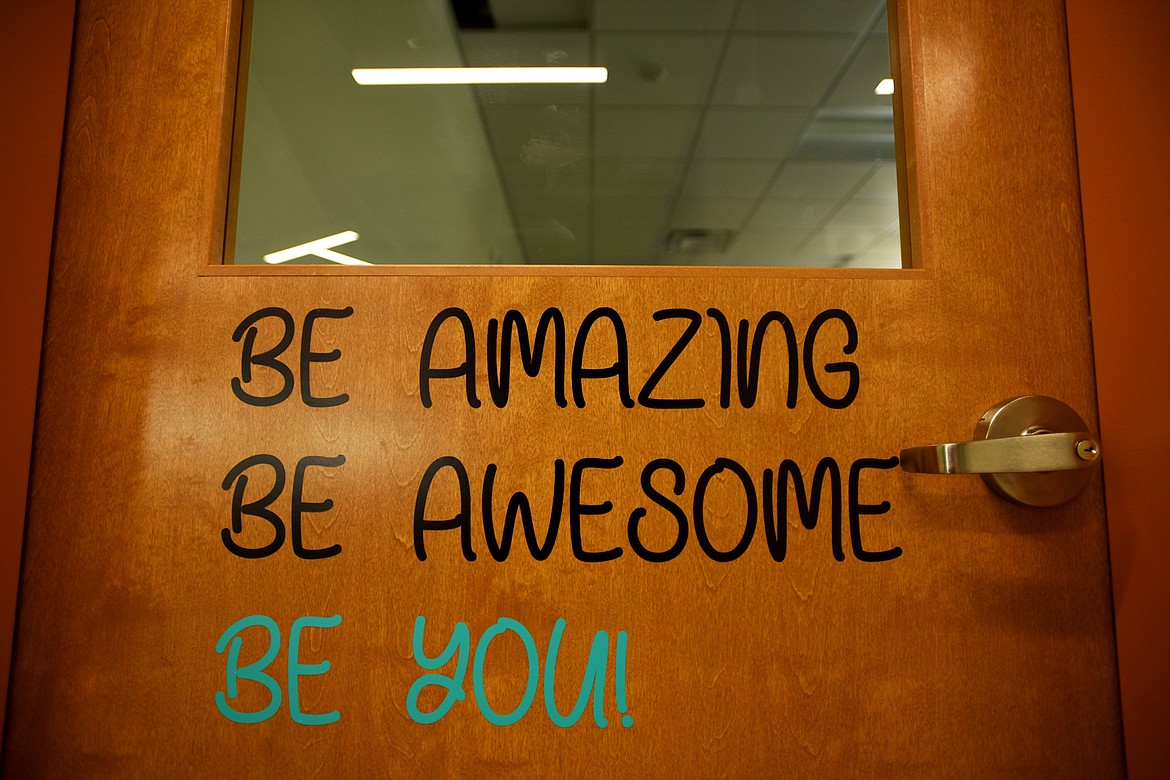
(462, 518)
(248, 331)
(808, 504)
(698, 516)
(258, 508)
(776, 538)
(499, 352)
(300, 506)
(466, 369)
(500, 546)
(858, 509)
(694, 320)
(666, 503)
(725, 358)
(308, 357)
(577, 509)
(847, 367)
(749, 358)
(620, 368)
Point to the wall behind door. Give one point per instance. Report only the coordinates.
(35, 39)
(1120, 67)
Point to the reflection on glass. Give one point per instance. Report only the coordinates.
(726, 132)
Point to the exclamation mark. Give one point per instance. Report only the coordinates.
(619, 679)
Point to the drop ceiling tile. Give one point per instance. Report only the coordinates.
(621, 131)
(880, 215)
(540, 151)
(625, 211)
(891, 242)
(871, 65)
(632, 246)
(667, 69)
(543, 135)
(779, 70)
(805, 16)
(747, 133)
(727, 179)
(874, 259)
(526, 181)
(885, 252)
(548, 239)
(533, 94)
(532, 48)
(707, 259)
(764, 247)
(552, 232)
(841, 242)
(816, 179)
(712, 213)
(662, 14)
(540, 13)
(786, 260)
(566, 210)
(637, 178)
(791, 214)
(883, 185)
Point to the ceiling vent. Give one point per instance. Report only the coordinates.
(697, 241)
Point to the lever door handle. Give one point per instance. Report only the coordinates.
(1033, 450)
(1011, 455)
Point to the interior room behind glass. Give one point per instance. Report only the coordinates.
(726, 132)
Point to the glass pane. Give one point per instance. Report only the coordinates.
(688, 132)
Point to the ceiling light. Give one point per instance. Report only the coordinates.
(401, 76)
(884, 87)
(322, 248)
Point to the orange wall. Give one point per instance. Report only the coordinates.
(1121, 66)
(35, 38)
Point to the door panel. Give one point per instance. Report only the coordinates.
(985, 647)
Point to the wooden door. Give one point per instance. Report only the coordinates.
(923, 627)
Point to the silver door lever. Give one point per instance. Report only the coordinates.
(1017, 454)
(1033, 450)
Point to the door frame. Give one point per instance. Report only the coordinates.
(1117, 58)
(36, 40)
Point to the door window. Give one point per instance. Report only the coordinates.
(645, 132)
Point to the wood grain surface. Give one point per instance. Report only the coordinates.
(985, 649)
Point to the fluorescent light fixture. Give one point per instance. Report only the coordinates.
(322, 248)
(402, 76)
(884, 87)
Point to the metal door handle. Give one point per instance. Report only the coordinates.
(1033, 450)
(1015, 455)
